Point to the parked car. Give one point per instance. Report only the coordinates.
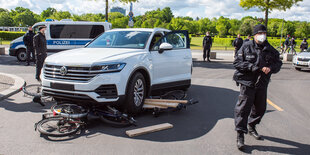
(62, 35)
(302, 60)
(121, 67)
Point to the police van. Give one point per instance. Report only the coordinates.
(62, 35)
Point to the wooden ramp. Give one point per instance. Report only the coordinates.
(162, 103)
(150, 129)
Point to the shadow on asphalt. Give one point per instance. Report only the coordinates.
(214, 64)
(294, 147)
(194, 122)
(9, 104)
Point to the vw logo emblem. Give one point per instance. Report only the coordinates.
(63, 71)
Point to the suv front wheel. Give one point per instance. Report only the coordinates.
(136, 92)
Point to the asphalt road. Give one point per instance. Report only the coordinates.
(205, 128)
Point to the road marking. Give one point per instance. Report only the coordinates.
(274, 105)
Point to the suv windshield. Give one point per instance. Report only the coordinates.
(121, 39)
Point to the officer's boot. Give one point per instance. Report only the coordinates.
(253, 132)
(240, 140)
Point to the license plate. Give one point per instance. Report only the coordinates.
(61, 86)
(302, 63)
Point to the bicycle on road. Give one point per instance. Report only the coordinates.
(35, 91)
(67, 119)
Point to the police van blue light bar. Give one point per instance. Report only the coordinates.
(49, 20)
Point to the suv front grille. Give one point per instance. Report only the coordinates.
(78, 74)
(303, 59)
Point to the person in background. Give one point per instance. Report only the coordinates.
(39, 42)
(237, 44)
(28, 41)
(248, 38)
(287, 43)
(255, 62)
(207, 44)
(304, 45)
(293, 44)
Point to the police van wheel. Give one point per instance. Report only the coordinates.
(21, 55)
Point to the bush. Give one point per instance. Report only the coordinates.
(7, 35)
(223, 41)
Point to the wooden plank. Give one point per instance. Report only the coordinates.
(149, 129)
(167, 101)
(162, 104)
(147, 106)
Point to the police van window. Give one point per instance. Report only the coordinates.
(76, 31)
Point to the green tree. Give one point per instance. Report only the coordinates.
(24, 17)
(48, 13)
(5, 19)
(3, 10)
(222, 26)
(235, 25)
(288, 28)
(247, 25)
(268, 5)
(59, 15)
(167, 14)
(303, 30)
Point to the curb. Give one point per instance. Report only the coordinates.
(17, 87)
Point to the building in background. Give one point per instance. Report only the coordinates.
(119, 9)
(15, 29)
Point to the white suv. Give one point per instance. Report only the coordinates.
(122, 67)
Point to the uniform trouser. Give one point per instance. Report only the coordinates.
(286, 48)
(206, 52)
(250, 108)
(39, 65)
(236, 52)
(30, 54)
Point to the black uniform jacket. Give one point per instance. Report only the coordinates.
(238, 43)
(28, 39)
(207, 42)
(251, 58)
(39, 42)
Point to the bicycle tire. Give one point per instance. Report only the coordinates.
(69, 110)
(174, 95)
(33, 90)
(115, 123)
(54, 129)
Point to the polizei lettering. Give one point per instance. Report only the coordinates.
(58, 42)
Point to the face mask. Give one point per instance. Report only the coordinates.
(261, 38)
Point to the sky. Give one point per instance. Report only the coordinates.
(192, 8)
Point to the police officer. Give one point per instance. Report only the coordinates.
(207, 44)
(28, 41)
(237, 43)
(255, 62)
(304, 45)
(287, 43)
(39, 42)
(293, 44)
(247, 39)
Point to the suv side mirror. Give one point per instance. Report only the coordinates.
(165, 46)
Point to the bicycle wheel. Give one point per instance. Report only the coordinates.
(33, 90)
(58, 126)
(69, 110)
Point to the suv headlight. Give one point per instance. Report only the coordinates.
(110, 67)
